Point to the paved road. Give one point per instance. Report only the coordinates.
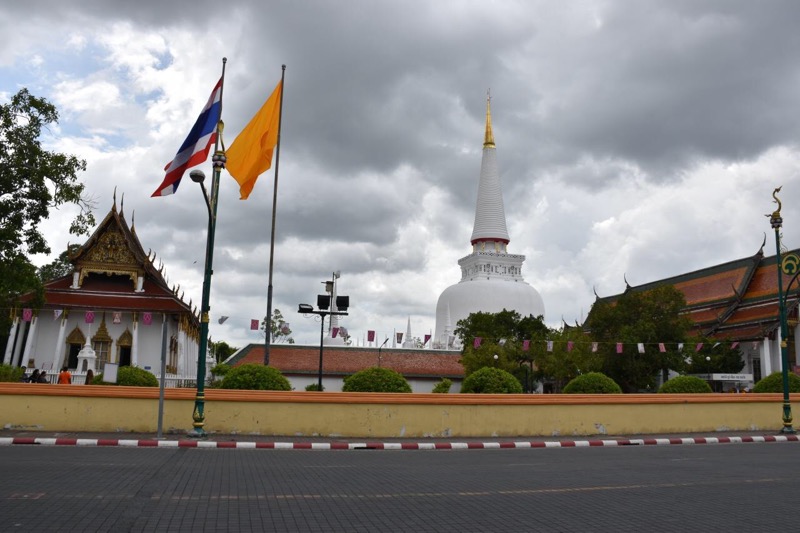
(741, 487)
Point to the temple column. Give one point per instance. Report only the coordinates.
(766, 361)
(796, 338)
(182, 351)
(60, 347)
(31, 341)
(12, 336)
(135, 340)
(23, 326)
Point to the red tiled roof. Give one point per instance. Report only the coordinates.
(290, 358)
(711, 288)
(737, 300)
(109, 292)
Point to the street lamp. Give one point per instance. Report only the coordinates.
(776, 221)
(379, 351)
(324, 305)
(197, 176)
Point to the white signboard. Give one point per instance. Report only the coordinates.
(731, 377)
(110, 372)
(725, 377)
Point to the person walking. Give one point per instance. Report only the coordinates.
(64, 377)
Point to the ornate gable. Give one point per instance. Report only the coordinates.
(110, 254)
(113, 249)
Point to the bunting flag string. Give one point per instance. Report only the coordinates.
(619, 347)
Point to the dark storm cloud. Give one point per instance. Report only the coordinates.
(664, 83)
(384, 111)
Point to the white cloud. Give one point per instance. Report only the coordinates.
(633, 140)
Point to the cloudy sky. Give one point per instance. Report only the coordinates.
(639, 139)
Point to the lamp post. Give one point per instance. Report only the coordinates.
(325, 309)
(379, 351)
(197, 176)
(776, 221)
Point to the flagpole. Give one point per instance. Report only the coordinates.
(268, 321)
(198, 415)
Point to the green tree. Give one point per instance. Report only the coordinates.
(221, 350)
(60, 266)
(648, 317)
(714, 357)
(502, 334)
(281, 332)
(33, 181)
(571, 355)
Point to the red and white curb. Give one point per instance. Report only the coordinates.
(153, 443)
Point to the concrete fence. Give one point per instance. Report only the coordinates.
(73, 408)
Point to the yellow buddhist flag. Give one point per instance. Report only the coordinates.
(251, 152)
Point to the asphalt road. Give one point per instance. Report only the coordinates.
(730, 487)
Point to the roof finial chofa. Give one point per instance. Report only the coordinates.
(488, 139)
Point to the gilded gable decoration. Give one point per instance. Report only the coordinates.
(110, 255)
(102, 333)
(126, 339)
(76, 336)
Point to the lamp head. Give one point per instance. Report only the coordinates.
(305, 308)
(198, 176)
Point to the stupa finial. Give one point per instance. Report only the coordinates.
(488, 139)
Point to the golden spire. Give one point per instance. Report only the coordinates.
(488, 140)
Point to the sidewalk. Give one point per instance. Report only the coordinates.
(175, 440)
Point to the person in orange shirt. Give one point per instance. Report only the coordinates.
(64, 377)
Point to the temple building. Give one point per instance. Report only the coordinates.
(737, 302)
(110, 309)
(491, 278)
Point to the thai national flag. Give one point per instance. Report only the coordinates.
(194, 149)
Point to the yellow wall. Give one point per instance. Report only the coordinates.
(80, 408)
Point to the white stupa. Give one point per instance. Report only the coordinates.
(491, 278)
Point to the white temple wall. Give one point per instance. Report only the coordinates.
(48, 346)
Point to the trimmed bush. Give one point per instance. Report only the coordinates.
(10, 373)
(490, 380)
(376, 379)
(592, 383)
(443, 387)
(255, 377)
(774, 383)
(130, 376)
(314, 387)
(220, 370)
(685, 385)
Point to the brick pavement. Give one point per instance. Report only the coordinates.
(621, 489)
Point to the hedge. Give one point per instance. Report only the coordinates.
(685, 385)
(490, 380)
(592, 383)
